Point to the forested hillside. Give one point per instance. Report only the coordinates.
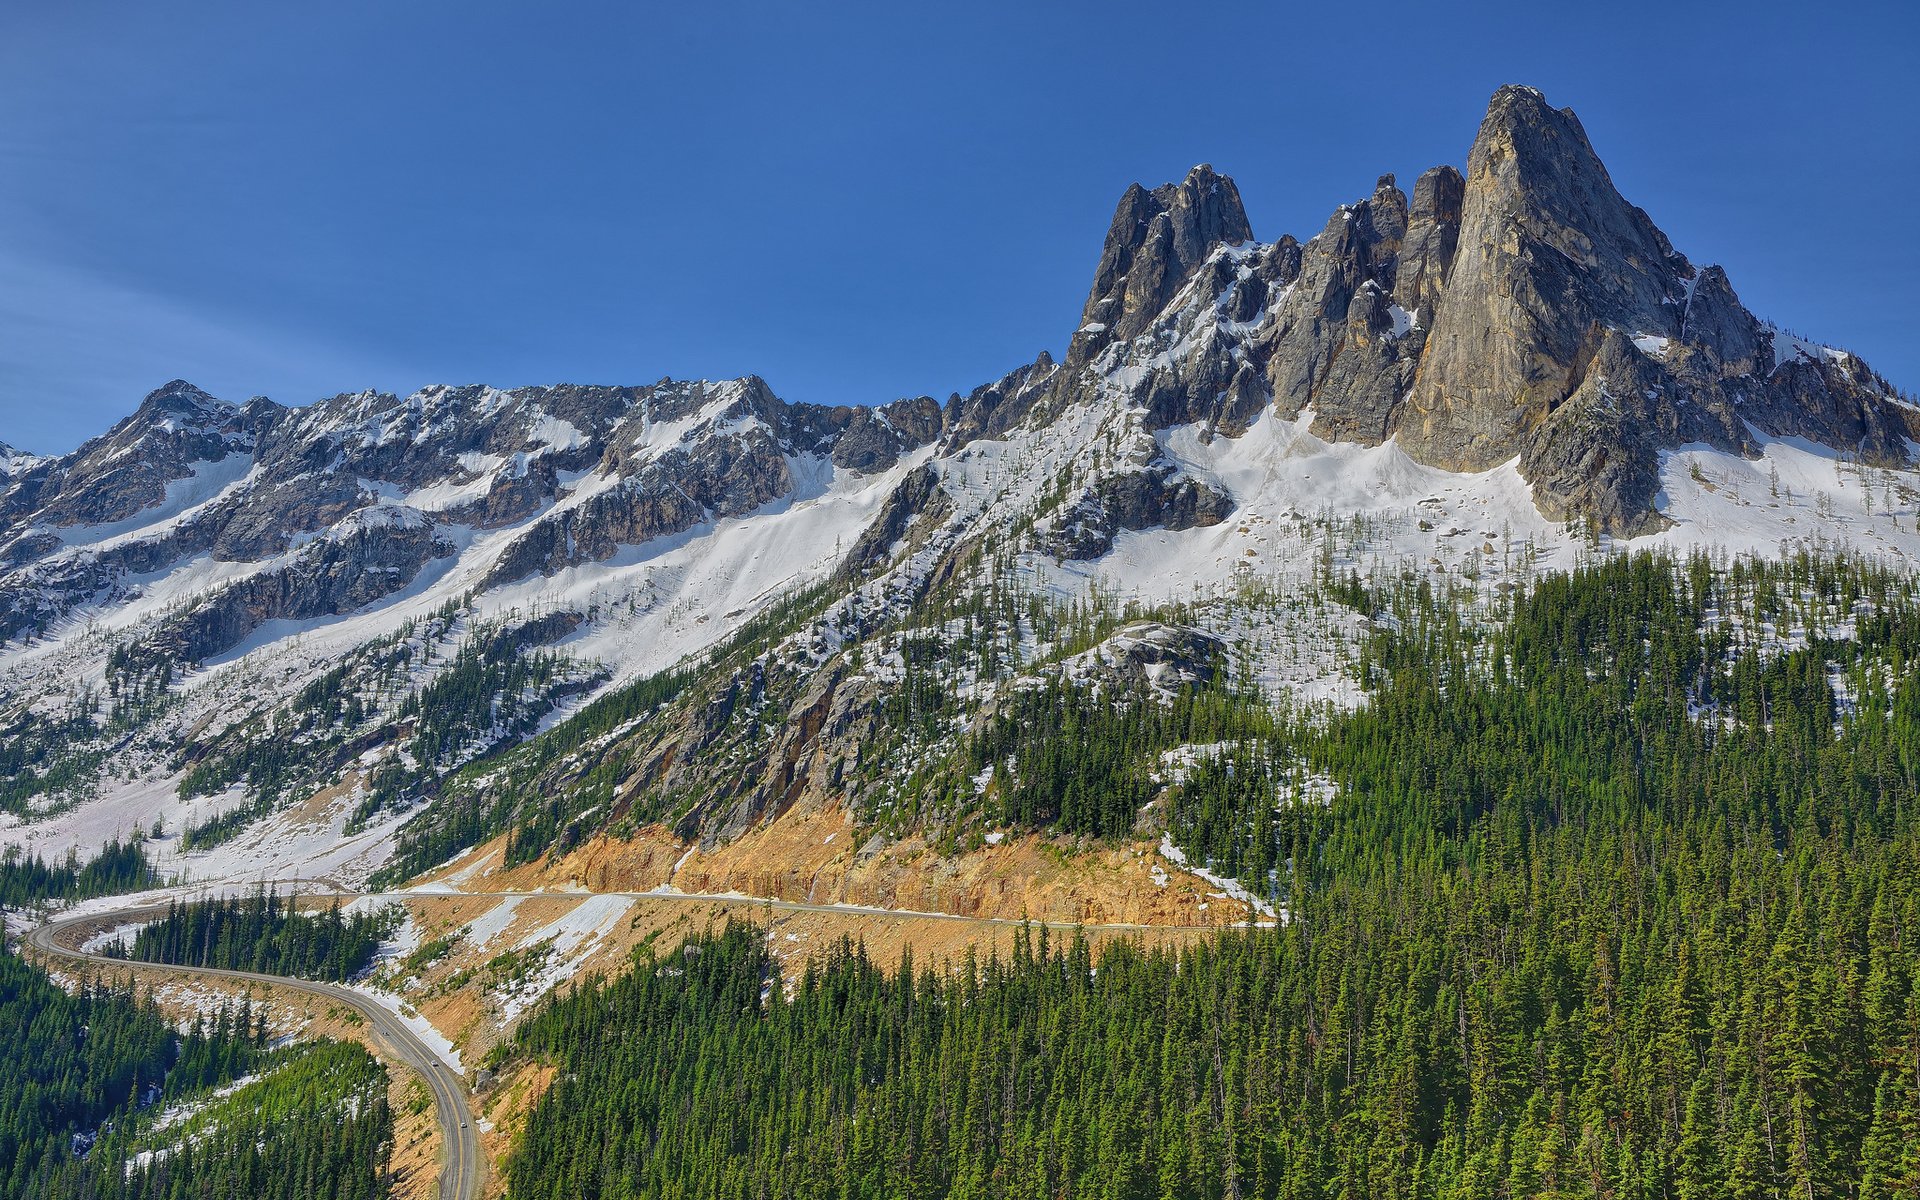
(26, 878)
(1618, 895)
(258, 933)
(102, 1099)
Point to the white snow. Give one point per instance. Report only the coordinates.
(421, 1028)
(568, 941)
(1796, 495)
(1788, 348)
(451, 493)
(184, 498)
(1227, 888)
(589, 920)
(1302, 508)
(483, 929)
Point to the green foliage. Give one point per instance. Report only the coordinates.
(494, 693)
(139, 683)
(47, 756)
(226, 825)
(315, 1125)
(481, 700)
(88, 1077)
(511, 791)
(259, 933)
(502, 794)
(1082, 760)
(1617, 896)
(119, 867)
(73, 1062)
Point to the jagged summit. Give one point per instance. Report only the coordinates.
(1468, 384)
(1522, 311)
(179, 395)
(1156, 240)
(1548, 251)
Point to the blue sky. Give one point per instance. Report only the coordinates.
(885, 200)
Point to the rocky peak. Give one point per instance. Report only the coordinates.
(1335, 342)
(991, 409)
(178, 398)
(1547, 250)
(1154, 244)
(1384, 221)
(1499, 315)
(176, 429)
(16, 469)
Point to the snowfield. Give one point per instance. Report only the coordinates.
(1304, 510)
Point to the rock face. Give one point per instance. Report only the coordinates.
(1336, 343)
(1547, 250)
(130, 468)
(1156, 240)
(342, 503)
(1523, 311)
(917, 498)
(370, 556)
(1433, 236)
(741, 460)
(525, 544)
(1156, 497)
(1153, 654)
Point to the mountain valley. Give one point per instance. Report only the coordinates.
(1181, 640)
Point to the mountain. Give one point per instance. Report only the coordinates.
(686, 609)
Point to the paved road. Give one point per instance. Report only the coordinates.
(759, 902)
(460, 1168)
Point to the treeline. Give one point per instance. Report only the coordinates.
(1084, 761)
(508, 793)
(119, 867)
(47, 755)
(500, 794)
(495, 692)
(259, 933)
(316, 1127)
(89, 1075)
(1618, 896)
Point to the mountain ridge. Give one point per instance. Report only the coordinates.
(441, 576)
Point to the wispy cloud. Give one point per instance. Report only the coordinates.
(79, 351)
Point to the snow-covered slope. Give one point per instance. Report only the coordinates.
(275, 632)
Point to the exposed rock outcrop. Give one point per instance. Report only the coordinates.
(1547, 250)
(1524, 311)
(1154, 497)
(1156, 240)
(916, 499)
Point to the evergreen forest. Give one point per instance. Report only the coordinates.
(1617, 894)
(102, 1098)
(259, 932)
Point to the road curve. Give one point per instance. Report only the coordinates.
(460, 1167)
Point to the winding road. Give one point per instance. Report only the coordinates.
(461, 1163)
(462, 1166)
